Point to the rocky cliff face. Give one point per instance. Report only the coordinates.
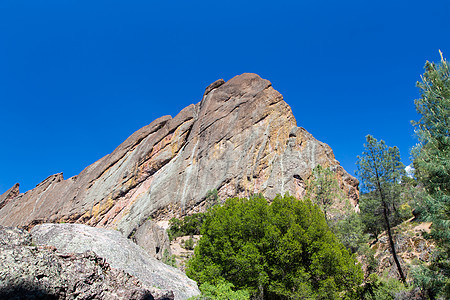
(240, 139)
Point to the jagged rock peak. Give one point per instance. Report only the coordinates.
(213, 86)
(240, 139)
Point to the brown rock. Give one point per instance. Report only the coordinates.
(240, 139)
(12, 193)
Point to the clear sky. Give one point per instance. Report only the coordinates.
(78, 77)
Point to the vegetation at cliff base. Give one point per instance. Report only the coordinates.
(220, 291)
(189, 225)
(323, 189)
(284, 250)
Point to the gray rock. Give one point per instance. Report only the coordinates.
(119, 252)
(32, 272)
(153, 239)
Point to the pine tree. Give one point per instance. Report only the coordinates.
(432, 164)
(380, 171)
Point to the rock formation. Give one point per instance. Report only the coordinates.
(41, 272)
(240, 139)
(10, 194)
(120, 253)
(153, 238)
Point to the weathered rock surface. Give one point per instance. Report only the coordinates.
(10, 194)
(410, 245)
(119, 252)
(153, 239)
(240, 139)
(31, 272)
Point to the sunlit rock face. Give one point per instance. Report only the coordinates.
(240, 139)
(120, 253)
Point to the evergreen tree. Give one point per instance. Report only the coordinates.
(371, 214)
(432, 164)
(380, 171)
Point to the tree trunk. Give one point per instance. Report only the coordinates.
(391, 243)
(386, 219)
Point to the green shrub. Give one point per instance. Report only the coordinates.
(169, 259)
(279, 251)
(221, 291)
(189, 244)
(189, 225)
(379, 288)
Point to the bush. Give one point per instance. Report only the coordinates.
(189, 225)
(377, 288)
(278, 251)
(189, 244)
(350, 231)
(169, 259)
(221, 291)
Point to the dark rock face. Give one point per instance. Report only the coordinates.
(240, 139)
(31, 272)
(120, 253)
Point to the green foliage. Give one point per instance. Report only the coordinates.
(212, 198)
(189, 225)
(350, 231)
(189, 244)
(432, 160)
(280, 251)
(377, 288)
(380, 171)
(323, 189)
(222, 291)
(432, 164)
(432, 278)
(169, 259)
(371, 214)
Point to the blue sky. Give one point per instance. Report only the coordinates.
(78, 77)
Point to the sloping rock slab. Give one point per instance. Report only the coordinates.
(31, 272)
(240, 139)
(119, 252)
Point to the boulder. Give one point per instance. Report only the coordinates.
(119, 252)
(41, 272)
